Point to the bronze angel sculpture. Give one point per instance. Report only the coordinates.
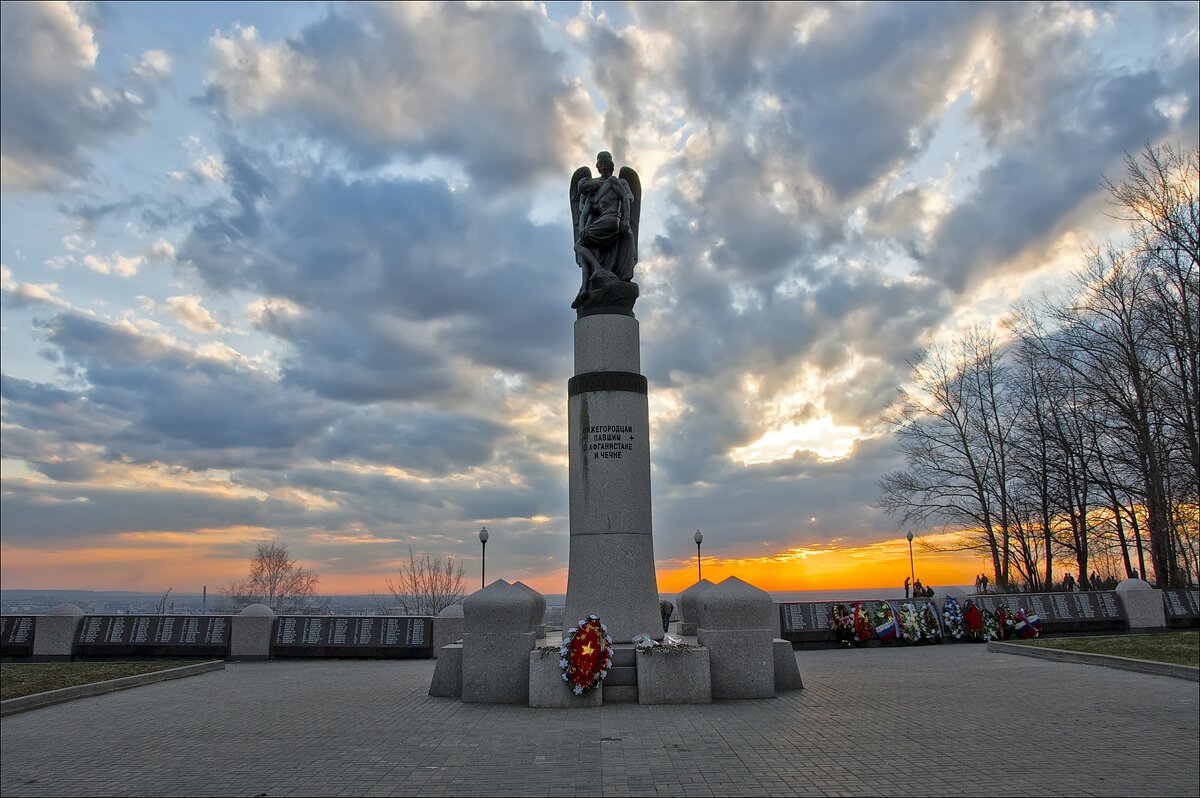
(605, 212)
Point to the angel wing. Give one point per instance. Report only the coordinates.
(581, 174)
(635, 208)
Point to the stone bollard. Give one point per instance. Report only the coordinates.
(689, 607)
(54, 633)
(537, 620)
(250, 637)
(737, 632)
(1143, 604)
(496, 645)
(447, 628)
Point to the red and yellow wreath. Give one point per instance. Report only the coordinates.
(586, 654)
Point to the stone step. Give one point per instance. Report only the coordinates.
(624, 656)
(621, 676)
(620, 694)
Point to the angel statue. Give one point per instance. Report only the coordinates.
(605, 211)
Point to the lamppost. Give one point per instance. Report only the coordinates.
(912, 572)
(699, 539)
(483, 536)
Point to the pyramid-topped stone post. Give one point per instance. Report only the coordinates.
(537, 619)
(689, 607)
(737, 632)
(496, 645)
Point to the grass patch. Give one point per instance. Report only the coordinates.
(27, 679)
(1176, 648)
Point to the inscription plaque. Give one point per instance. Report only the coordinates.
(338, 636)
(153, 636)
(1182, 607)
(16, 635)
(808, 621)
(1063, 612)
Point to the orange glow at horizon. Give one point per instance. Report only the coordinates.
(882, 564)
(190, 562)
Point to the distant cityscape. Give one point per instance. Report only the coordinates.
(108, 602)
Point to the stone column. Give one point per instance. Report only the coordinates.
(611, 569)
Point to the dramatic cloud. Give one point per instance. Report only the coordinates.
(54, 106)
(328, 300)
(471, 82)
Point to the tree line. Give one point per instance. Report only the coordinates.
(1068, 438)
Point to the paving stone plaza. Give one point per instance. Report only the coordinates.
(940, 720)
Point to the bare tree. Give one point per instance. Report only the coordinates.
(953, 428)
(427, 585)
(274, 580)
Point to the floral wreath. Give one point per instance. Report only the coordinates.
(910, 623)
(842, 624)
(885, 624)
(864, 630)
(952, 618)
(931, 630)
(1004, 622)
(585, 655)
(975, 622)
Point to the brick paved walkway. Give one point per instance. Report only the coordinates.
(944, 720)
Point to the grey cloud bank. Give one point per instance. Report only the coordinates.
(827, 188)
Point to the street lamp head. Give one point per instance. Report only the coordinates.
(483, 535)
(698, 537)
(910, 537)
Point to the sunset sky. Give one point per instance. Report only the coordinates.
(303, 271)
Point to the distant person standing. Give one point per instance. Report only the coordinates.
(978, 580)
(907, 582)
(1069, 583)
(918, 589)
(985, 582)
(1097, 583)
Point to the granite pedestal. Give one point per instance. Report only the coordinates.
(548, 690)
(611, 567)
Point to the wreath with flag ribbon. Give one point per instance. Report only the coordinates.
(885, 623)
(585, 655)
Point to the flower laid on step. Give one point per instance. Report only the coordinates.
(885, 624)
(910, 623)
(952, 618)
(864, 629)
(842, 624)
(585, 655)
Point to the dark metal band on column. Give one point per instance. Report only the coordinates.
(606, 381)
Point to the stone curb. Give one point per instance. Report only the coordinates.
(37, 700)
(1122, 663)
